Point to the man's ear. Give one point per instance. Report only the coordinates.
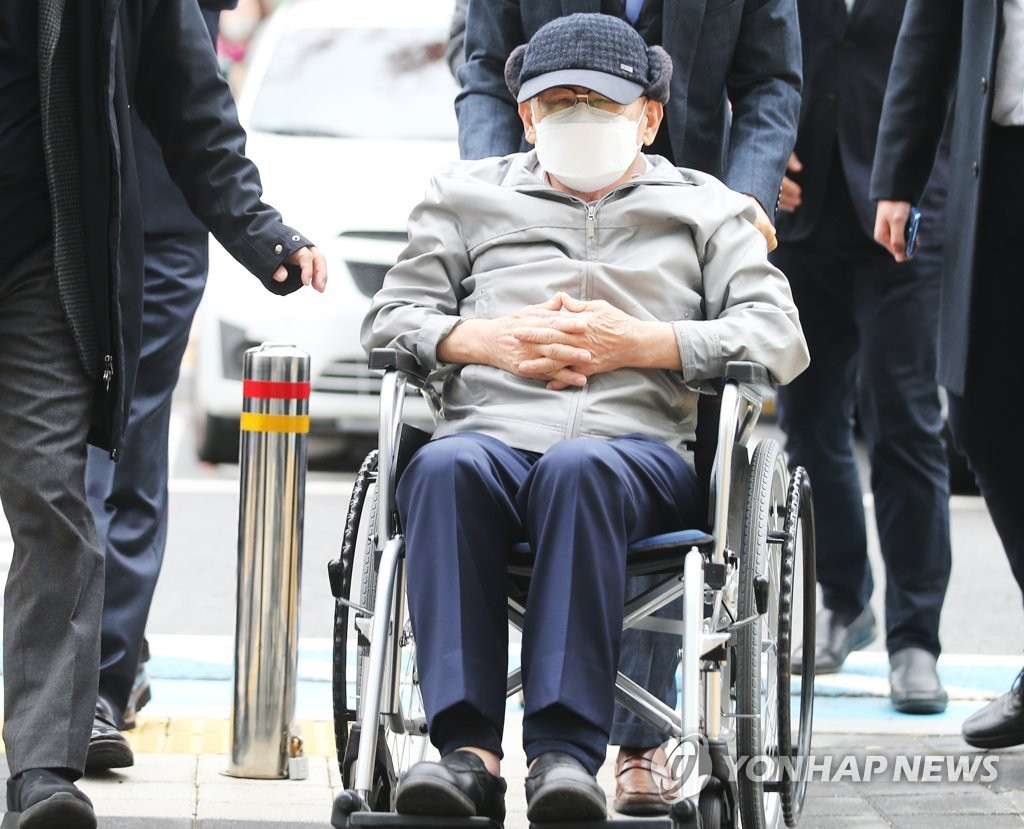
(654, 111)
(529, 128)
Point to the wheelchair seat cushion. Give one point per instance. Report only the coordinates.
(656, 554)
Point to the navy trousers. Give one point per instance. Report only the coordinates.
(129, 498)
(871, 326)
(463, 500)
(982, 419)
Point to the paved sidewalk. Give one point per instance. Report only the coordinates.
(191, 791)
(873, 768)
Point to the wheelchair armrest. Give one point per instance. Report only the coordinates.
(383, 359)
(751, 374)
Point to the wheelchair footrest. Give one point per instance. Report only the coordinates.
(682, 815)
(350, 811)
(393, 820)
(613, 823)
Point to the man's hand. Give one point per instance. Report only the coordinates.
(494, 342)
(563, 341)
(612, 339)
(605, 333)
(890, 224)
(542, 343)
(791, 194)
(312, 268)
(763, 224)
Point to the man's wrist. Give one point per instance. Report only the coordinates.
(656, 346)
(463, 344)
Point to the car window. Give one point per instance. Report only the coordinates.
(358, 83)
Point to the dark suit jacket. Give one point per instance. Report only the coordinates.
(153, 57)
(746, 52)
(164, 209)
(846, 59)
(946, 47)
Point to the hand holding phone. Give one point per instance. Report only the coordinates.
(910, 231)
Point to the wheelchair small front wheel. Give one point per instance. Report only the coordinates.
(757, 669)
(712, 806)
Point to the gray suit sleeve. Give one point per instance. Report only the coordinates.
(764, 90)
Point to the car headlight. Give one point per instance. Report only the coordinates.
(233, 345)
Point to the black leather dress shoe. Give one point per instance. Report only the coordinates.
(914, 684)
(837, 634)
(108, 747)
(559, 788)
(1000, 724)
(141, 693)
(45, 799)
(458, 786)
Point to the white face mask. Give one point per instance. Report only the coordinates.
(586, 149)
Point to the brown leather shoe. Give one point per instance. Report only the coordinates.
(637, 775)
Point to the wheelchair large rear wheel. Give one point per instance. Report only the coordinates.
(401, 734)
(757, 669)
(798, 566)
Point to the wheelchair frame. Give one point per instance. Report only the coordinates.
(737, 584)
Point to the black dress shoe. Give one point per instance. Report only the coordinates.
(141, 693)
(915, 687)
(458, 786)
(837, 634)
(48, 800)
(108, 747)
(1000, 724)
(559, 788)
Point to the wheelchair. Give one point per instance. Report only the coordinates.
(747, 583)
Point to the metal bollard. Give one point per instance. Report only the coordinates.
(275, 425)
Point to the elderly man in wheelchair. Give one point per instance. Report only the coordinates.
(569, 303)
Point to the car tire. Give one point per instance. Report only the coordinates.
(217, 439)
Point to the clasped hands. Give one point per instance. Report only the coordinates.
(563, 341)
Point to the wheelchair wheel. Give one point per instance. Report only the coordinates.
(712, 806)
(798, 552)
(757, 670)
(341, 571)
(401, 734)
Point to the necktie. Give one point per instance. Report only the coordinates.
(633, 9)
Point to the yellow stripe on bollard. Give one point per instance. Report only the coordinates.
(291, 424)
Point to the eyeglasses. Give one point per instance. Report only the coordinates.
(561, 99)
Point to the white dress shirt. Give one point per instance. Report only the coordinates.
(1008, 92)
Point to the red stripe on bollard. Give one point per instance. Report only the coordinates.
(275, 390)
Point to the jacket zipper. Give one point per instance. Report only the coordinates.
(108, 370)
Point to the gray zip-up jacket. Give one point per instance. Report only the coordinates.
(673, 245)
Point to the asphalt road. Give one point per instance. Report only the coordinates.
(983, 612)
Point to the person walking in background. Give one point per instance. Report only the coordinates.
(71, 285)
(973, 52)
(733, 114)
(128, 499)
(871, 326)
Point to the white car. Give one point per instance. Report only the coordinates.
(349, 108)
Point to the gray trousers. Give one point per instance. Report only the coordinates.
(54, 593)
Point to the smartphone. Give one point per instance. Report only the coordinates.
(910, 231)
